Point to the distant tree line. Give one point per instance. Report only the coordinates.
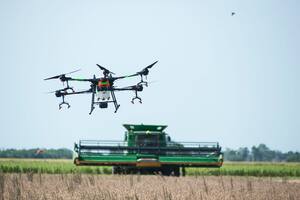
(260, 153)
(36, 153)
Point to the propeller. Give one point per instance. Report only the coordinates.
(145, 71)
(106, 71)
(51, 92)
(61, 75)
(60, 92)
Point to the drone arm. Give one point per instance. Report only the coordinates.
(62, 93)
(80, 79)
(79, 92)
(125, 88)
(137, 88)
(121, 77)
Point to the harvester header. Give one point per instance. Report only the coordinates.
(148, 149)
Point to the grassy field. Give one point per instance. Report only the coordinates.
(229, 168)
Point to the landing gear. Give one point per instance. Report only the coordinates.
(103, 99)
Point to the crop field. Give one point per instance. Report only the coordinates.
(229, 168)
(32, 179)
(30, 186)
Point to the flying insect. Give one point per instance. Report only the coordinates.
(102, 89)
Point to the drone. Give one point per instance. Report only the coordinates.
(102, 89)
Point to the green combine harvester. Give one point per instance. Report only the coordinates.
(147, 149)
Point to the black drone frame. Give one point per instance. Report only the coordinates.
(94, 89)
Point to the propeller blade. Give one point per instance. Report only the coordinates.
(50, 92)
(148, 67)
(58, 76)
(145, 71)
(58, 93)
(73, 71)
(104, 69)
(53, 77)
(59, 90)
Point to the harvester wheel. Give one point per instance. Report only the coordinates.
(116, 170)
(166, 171)
(176, 171)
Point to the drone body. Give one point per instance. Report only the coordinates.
(102, 89)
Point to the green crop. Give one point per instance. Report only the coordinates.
(269, 169)
(49, 166)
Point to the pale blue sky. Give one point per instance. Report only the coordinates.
(232, 79)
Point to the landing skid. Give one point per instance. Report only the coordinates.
(103, 104)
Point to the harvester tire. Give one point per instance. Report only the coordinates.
(170, 171)
(116, 170)
(166, 171)
(176, 171)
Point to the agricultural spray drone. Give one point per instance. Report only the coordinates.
(102, 89)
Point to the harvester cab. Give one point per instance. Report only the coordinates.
(145, 135)
(148, 149)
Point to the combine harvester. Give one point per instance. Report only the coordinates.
(147, 149)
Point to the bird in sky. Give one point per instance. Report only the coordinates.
(232, 13)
